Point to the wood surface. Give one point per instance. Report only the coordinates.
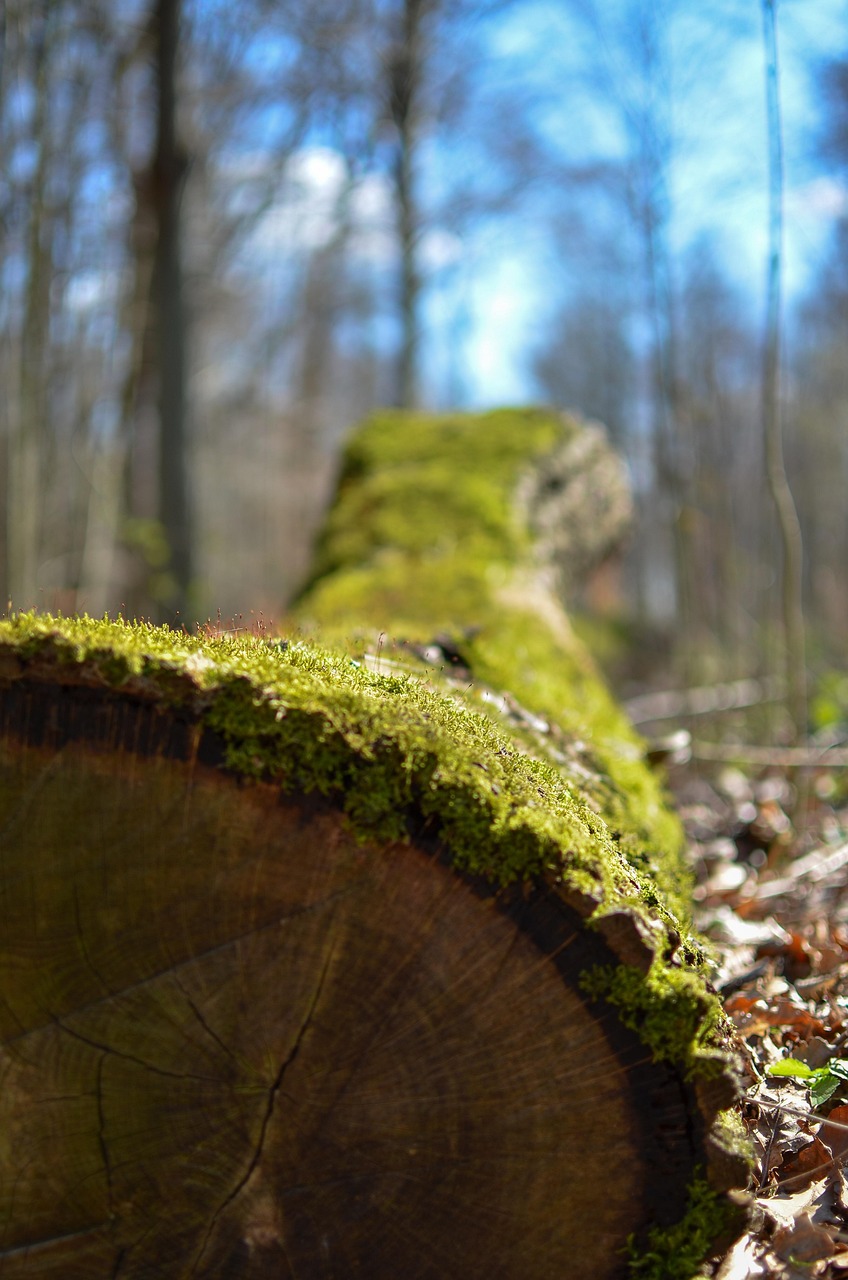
(238, 1041)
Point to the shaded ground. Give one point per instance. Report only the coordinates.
(770, 849)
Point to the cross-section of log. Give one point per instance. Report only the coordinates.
(314, 971)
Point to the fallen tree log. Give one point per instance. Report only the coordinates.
(314, 970)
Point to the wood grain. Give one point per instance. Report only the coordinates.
(237, 1041)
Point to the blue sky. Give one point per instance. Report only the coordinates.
(718, 169)
(493, 295)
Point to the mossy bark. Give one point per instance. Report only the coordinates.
(314, 970)
(475, 529)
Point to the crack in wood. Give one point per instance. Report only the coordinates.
(269, 1111)
(101, 1132)
(213, 1035)
(377, 1036)
(51, 1240)
(172, 970)
(129, 1057)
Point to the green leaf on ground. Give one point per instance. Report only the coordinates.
(823, 1081)
(792, 1067)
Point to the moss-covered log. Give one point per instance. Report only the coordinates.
(312, 970)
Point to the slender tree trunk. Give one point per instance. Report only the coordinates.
(404, 87)
(3, 22)
(669, 424)
(5, 417)
(778, 483)
(27, 442)
(646, 117)
(169, 170)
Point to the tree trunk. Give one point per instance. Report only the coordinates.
(792, 567)
(405, 73)
(28, 437)
(169, 170)
(312, 970)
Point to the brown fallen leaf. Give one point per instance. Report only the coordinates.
(795, 952)
(836, 1138)
(811, 1163)
(754, 1018)
(815, 1052)
(803, 1241)
(744, 1261)
(841, 1194)
(784, 1209)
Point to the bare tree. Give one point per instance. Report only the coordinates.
(26, 475)
(389, 79)
(778, 483)
(404, 71)
(168, 178)
(718, 368)
(586, 361)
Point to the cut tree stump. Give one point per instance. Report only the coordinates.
(309, 970)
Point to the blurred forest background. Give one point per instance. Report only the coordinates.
(228, 230)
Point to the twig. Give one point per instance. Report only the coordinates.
(798, 1111)
(704, 700)
(806, 1174)
(814, 866)
(779, 757)
(762, 1181)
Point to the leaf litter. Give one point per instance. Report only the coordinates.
(772, 901)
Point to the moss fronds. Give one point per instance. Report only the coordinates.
(427, 534)
(669, 1008)
(386, 748)
(677, 1252)
(422, 485)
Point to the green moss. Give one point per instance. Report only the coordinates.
(382, 746)
(677, 1252)
(427, 535)
(424, 485)
(669, 1008)
(561, 682)
(732, 1136)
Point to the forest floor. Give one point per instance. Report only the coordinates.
(770, 851)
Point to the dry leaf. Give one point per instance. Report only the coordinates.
(744, 1261)
(784, 1209)
(803, 1241)
(753, 1018)
(836, 1139)
(810, 1164)
(840, 1185)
